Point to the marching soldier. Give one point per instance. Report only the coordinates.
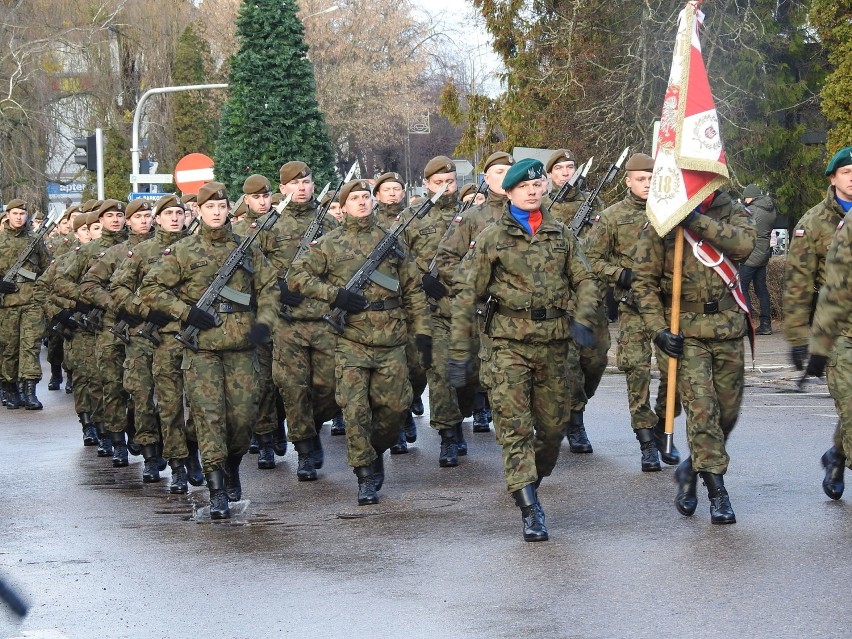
(389, 191)
(370, 365)
(531, 270)
(762, 210)
(468, 193)
(610, 247)
(710, 345)
(61, 242)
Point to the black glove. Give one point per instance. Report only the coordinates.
(65, 318)
(625, 279)
(158, 318)
(669, 343)
(433, 287)
(130, 318)
(259, 334)
(82, 307)
(200, 319)
(288, 297)
(424, 345)
(583, 335)
(689, 219)
(8, 287)
(799, 355)
(816, 366)
(350, 302)
(457, 372)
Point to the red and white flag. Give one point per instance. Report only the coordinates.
(690, 158)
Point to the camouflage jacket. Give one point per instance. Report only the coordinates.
(611, 243)
(267, 240)
(12, 243)
(423, 236)
(545, 271)
(564, 211)
(44, 284)
(125, 282)
(729, 228)
(833, 316)
(388, 214)
(804, 273)
(66, 291)
(332, 261)
(188, 267)
(61, 244)
(762, 211)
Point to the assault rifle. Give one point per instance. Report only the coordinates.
(193, 225)
(369, 270)
(219, 286)
(575, 182)
(17, 269)
(480, 190)
(581, 217)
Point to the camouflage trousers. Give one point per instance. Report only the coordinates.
(21, 331)
(590, 363)
(633, 356)
(267, 410)
(222, 389)
(839, 376)
(55, 348)
(529, 393)
(373, 391)
(110, 371)
(81, 360)
(444, 400)
(416, 373)
(711, 378)
(168, 387)
(139, 382)
(303, 368)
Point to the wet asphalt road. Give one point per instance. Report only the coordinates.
(97, 553)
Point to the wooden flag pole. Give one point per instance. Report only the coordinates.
(677, 277)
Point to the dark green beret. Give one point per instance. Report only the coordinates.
(439, 164)
(168, 201)
(212, 191)
(110, 205)
(352, 186)
(138, 205)
(840, 159)
(523, 171)
(387, 177)
(640, 162)
(293, 171)
(16, 204)
(557, 157)
(256, 184)
(498, 157)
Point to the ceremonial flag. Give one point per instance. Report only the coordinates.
(690, 159)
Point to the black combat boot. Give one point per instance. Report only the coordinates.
(119, 450)
(279, 439)
(55, 377)
(449, 448)
(338, 427)
(266, 456)
(410, 428)
(13, 396)
(531, 513)
(379, 471)
(648, 446)
(401, 446)
(132, 447)
(90, 433)
(672, 458)
(417, 408)
(3, 393)
(69, 383)
(193, 464)
(578, 441)
(686, 500)
(460, 441)
(306, 471)
(480, 421)
(178, 485)
(104, 441)
(318, 453)
(150, 468)
(254, 446)
(835, 465)
(30, 400)
(765, 328)
(232, 477)
(366, 485)
(162, 464)
(720, 504)
(218, 498)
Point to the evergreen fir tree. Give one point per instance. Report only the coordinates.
(271, 115)
(192, 125)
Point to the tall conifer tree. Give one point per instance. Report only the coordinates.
(193, 130)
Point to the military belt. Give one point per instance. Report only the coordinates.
(707, 308)
(537, 314)
(228, 307)
(385, 305)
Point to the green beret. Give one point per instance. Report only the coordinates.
(752, 191)
(80, 220)
(523, 171)
(840, 159)
(212, 191)
(562, 155)
(17, 203)
(387, 177)
(92, 217)
(110, 205)
(293, 171)
(439, 164)
(466, 190)
(240, 207)
(256, 184)
(88, 206)
(500, 157)
(352, 186)
(69, 211)
(138, 205)
(167, 202)
(186, 198)
(640, 162)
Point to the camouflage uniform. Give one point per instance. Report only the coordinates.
(372, 385)
(711, 371)
(58, 246)
(221, 379)
(525, 360)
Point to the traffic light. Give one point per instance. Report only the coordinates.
(86, 153)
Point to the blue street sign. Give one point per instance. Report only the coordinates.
(144, 196)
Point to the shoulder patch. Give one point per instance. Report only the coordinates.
(253, 225)
(597, 218)
(76, 248)
(129, 253)
(101, 254)
(458, 218)
(472, 244)
(799, 233)
(167, 251)
(313, 243)
(840, 226)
